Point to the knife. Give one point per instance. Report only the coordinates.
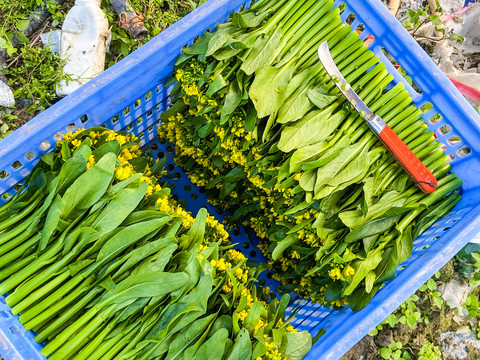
(419, 173)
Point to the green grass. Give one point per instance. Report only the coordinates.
(33, 71)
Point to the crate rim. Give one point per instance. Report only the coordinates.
(47, 119)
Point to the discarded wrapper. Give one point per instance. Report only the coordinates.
(6, 95)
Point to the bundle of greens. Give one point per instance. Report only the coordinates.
(102, 263)
(258, 122)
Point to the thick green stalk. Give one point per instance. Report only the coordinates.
(70, 331)
(94, 343)
(310, 50)
(307, 28)
(279, 16)
(17, 217)
(17, 278)
(448, 204)
(265, 5)
(425, 152)
(17, 230)
(445, 185)
(435, 165)
(406, 113)
(51, 305)
(16, 266)
(17, 249)
(403, 105)
(298, 16)
(46, 258)
(112, 345)
(62, 349)
(52, 255)
(40, 293)
(442, 171)
(45, 332)
(431, 199)
(411, 120)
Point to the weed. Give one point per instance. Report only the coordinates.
(415, 20)
(35, 76)
(429, 352)
(6, 123)
(409, 313)
(158, 15)
(394, 351)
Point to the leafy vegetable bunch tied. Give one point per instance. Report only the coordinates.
(258, 122)
(102, 263)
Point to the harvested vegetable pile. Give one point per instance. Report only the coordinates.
(102, 263)
(258, 122)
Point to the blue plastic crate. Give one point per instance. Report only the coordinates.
(129, 96)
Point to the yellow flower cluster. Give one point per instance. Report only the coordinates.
(213, 223)
(236, 255)
(241, 275)
(242, 315)
(246, 293)
(76, 143)
(349, 271)
(91, 161)
(228, 286)
(220, 264)
(124, 172)
(69, 136)
(273, 353)
(337, 274)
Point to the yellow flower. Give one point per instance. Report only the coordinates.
(146, 179)
(179, 75)
(290, 329)
(91, 161)
(149, 190)
(123, 173)
(239, 273)
(76, 143)
(335, 274)
(297, 176)
(259, 325)
(236, 255)
(349, 270)
(242, 315)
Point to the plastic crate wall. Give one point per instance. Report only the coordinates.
(129, 96)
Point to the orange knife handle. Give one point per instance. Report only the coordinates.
(409, 161)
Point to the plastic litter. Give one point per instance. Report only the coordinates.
(456, 345)
(450, 6)
(83, 44)
(456, 293)
(52, 40)
(6, 95)
(453, 58)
